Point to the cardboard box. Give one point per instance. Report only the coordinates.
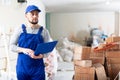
(84, 73)
(113, 63)
(113, 39)
(112, 54)
(82, 53)
(117, 76)
(97, 57)
(83, 63)
(115, 48)
(100, 71)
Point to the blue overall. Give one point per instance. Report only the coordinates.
(28, 68)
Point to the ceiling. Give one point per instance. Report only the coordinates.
(81, 5)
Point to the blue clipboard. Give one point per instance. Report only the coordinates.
(44, 48)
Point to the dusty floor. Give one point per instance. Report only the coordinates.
(64, 75)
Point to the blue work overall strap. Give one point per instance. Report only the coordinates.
(24, 28)
(41, 40)
(40, 30)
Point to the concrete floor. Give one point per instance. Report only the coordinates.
(64, 75)
(65, 71)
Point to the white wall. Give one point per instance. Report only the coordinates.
(62, 24)
(12, 15)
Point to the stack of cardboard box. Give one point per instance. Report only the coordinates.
(101, 65)
(82, 64)
(113, 58)
(84, 59)
(113, 63)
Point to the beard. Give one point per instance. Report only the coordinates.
(33, 22)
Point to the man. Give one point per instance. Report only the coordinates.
(24, 41)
